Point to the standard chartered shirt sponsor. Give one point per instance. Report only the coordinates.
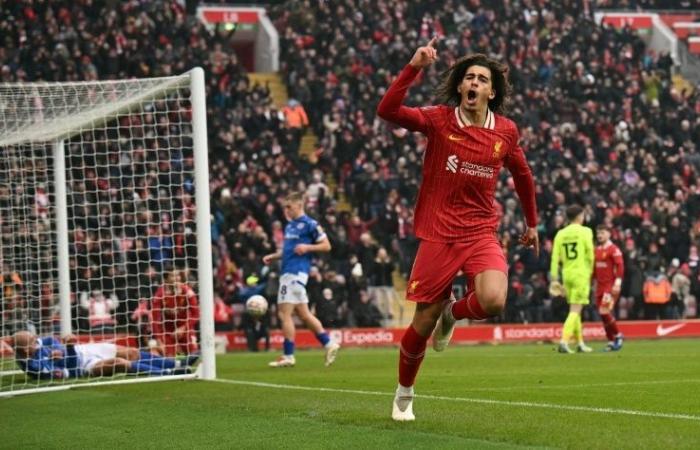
(475, 170)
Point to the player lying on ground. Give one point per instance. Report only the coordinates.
(48, 358)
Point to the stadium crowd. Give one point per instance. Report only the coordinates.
(600, 118)
(601, 121)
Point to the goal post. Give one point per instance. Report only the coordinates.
(105, 222)
(206, 277)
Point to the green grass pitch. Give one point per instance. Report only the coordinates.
(509, 396)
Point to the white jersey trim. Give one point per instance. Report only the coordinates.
(489, 123)
(459, 119)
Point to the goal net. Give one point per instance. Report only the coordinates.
(104, 233)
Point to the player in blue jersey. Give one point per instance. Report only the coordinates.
(303, 236)
(47, 358)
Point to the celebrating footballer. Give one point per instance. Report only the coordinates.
(469, 141)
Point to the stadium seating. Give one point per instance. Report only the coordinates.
(599, 118)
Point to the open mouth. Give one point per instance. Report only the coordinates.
(471, 95)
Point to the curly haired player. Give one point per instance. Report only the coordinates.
(469, 141)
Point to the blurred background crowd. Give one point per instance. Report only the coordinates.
(601, 121)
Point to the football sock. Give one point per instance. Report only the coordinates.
(323, 338)
(610, 326)
(288, 347)
(157, 361)
(191, 359)
(142, 368)
(468, 307)
(404, 395)
(411, 354)
(403, 390)
(569, 328)
(579, 329)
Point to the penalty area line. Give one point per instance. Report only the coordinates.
(483, 401)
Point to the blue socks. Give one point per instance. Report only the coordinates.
(157, 361)
(323, 338)
(288, 347)
(143, 368)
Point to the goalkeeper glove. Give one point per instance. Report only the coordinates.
(556, 289)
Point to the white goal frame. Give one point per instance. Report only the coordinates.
(63, 129)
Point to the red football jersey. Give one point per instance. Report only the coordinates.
(460, 168)
(170, 310)
(608, 264)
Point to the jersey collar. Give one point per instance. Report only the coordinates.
(489, 124)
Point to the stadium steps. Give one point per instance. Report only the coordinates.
(401, 321)
(309, 144)
(307, 149)
(682, 84)
(342, 204)
(278, 90)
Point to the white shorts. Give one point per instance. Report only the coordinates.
(293, 288)
(91, 354)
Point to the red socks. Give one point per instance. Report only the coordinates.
(610, 326)
(411, 355)
(468, 308)
(413, 344)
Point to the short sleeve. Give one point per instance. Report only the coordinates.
(316, 231)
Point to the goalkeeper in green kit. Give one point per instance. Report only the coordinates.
(573, 249)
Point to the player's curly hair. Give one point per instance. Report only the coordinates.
(446, 91)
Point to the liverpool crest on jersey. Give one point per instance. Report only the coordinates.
(497, 149)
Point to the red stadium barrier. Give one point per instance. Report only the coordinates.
(670, 18)
(694, 45)
(228, 14)
(636, 21)
(686, 29)
(379, 337)
(382, 337)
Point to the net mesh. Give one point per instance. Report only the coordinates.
(131, 216)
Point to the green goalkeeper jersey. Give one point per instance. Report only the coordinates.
(573, 248)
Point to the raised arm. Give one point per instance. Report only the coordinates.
(391, 106)
(525, 187)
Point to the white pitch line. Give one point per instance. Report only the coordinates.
(629, 412)
(573, 386)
